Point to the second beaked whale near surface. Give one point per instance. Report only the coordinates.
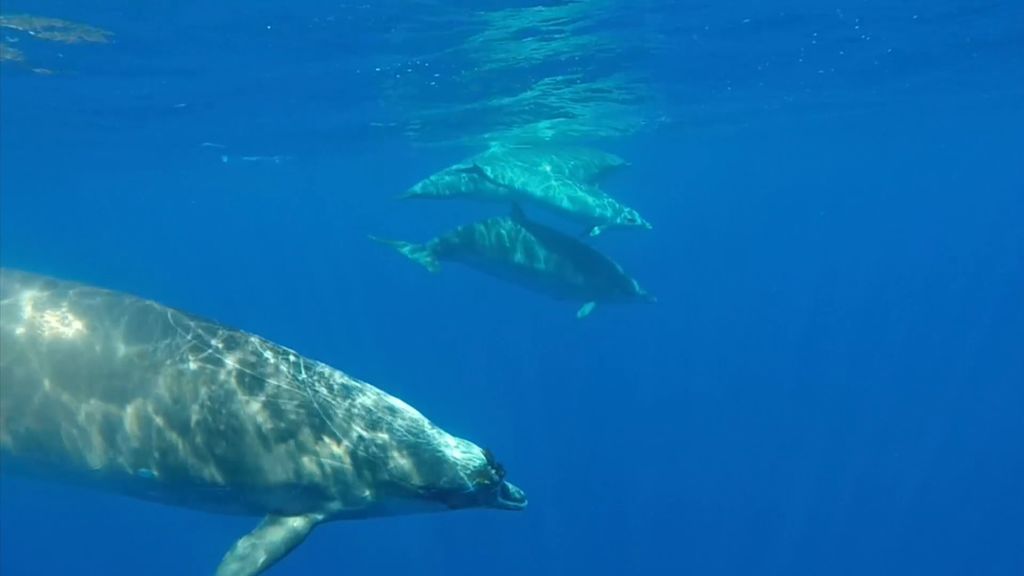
(527, 253)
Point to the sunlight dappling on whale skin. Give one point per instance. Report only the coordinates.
(114, 392)
(729, 288)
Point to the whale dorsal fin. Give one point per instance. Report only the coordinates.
(471, 168)
(269, 542)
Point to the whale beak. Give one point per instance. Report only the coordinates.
(510, 497)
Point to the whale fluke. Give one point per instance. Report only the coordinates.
(419, 253)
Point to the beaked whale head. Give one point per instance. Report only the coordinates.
(420, 468)
(485, 486)
(383, 457)
(622, 289)
(630, 218)
(471, 477)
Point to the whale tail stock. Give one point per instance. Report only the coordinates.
(414, 192)
(419, 253)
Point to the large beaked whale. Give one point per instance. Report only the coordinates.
(524, 252)
(112, 391)
(561, 180)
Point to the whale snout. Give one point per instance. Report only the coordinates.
(501, 496)
(510, 497)
(480, 483)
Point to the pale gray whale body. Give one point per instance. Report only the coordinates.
(562, 180)
(532, 255)
(120, 393)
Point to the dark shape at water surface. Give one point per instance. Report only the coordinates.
(55, 29)
(31, 28)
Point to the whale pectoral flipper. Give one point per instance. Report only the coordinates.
(271, 541)
(586, 309)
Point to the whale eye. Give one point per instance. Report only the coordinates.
(496, 466)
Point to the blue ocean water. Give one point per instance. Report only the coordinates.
(829, 383)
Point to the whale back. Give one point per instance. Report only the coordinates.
(524, 166)
(119, 392)
(109, 389)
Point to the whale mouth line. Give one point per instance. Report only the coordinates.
(510, 497)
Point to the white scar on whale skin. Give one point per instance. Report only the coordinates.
(48, 323)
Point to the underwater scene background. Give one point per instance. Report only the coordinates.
(827, 381)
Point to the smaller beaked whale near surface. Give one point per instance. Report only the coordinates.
(111, 391)
(527, 253)
(563, 180)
